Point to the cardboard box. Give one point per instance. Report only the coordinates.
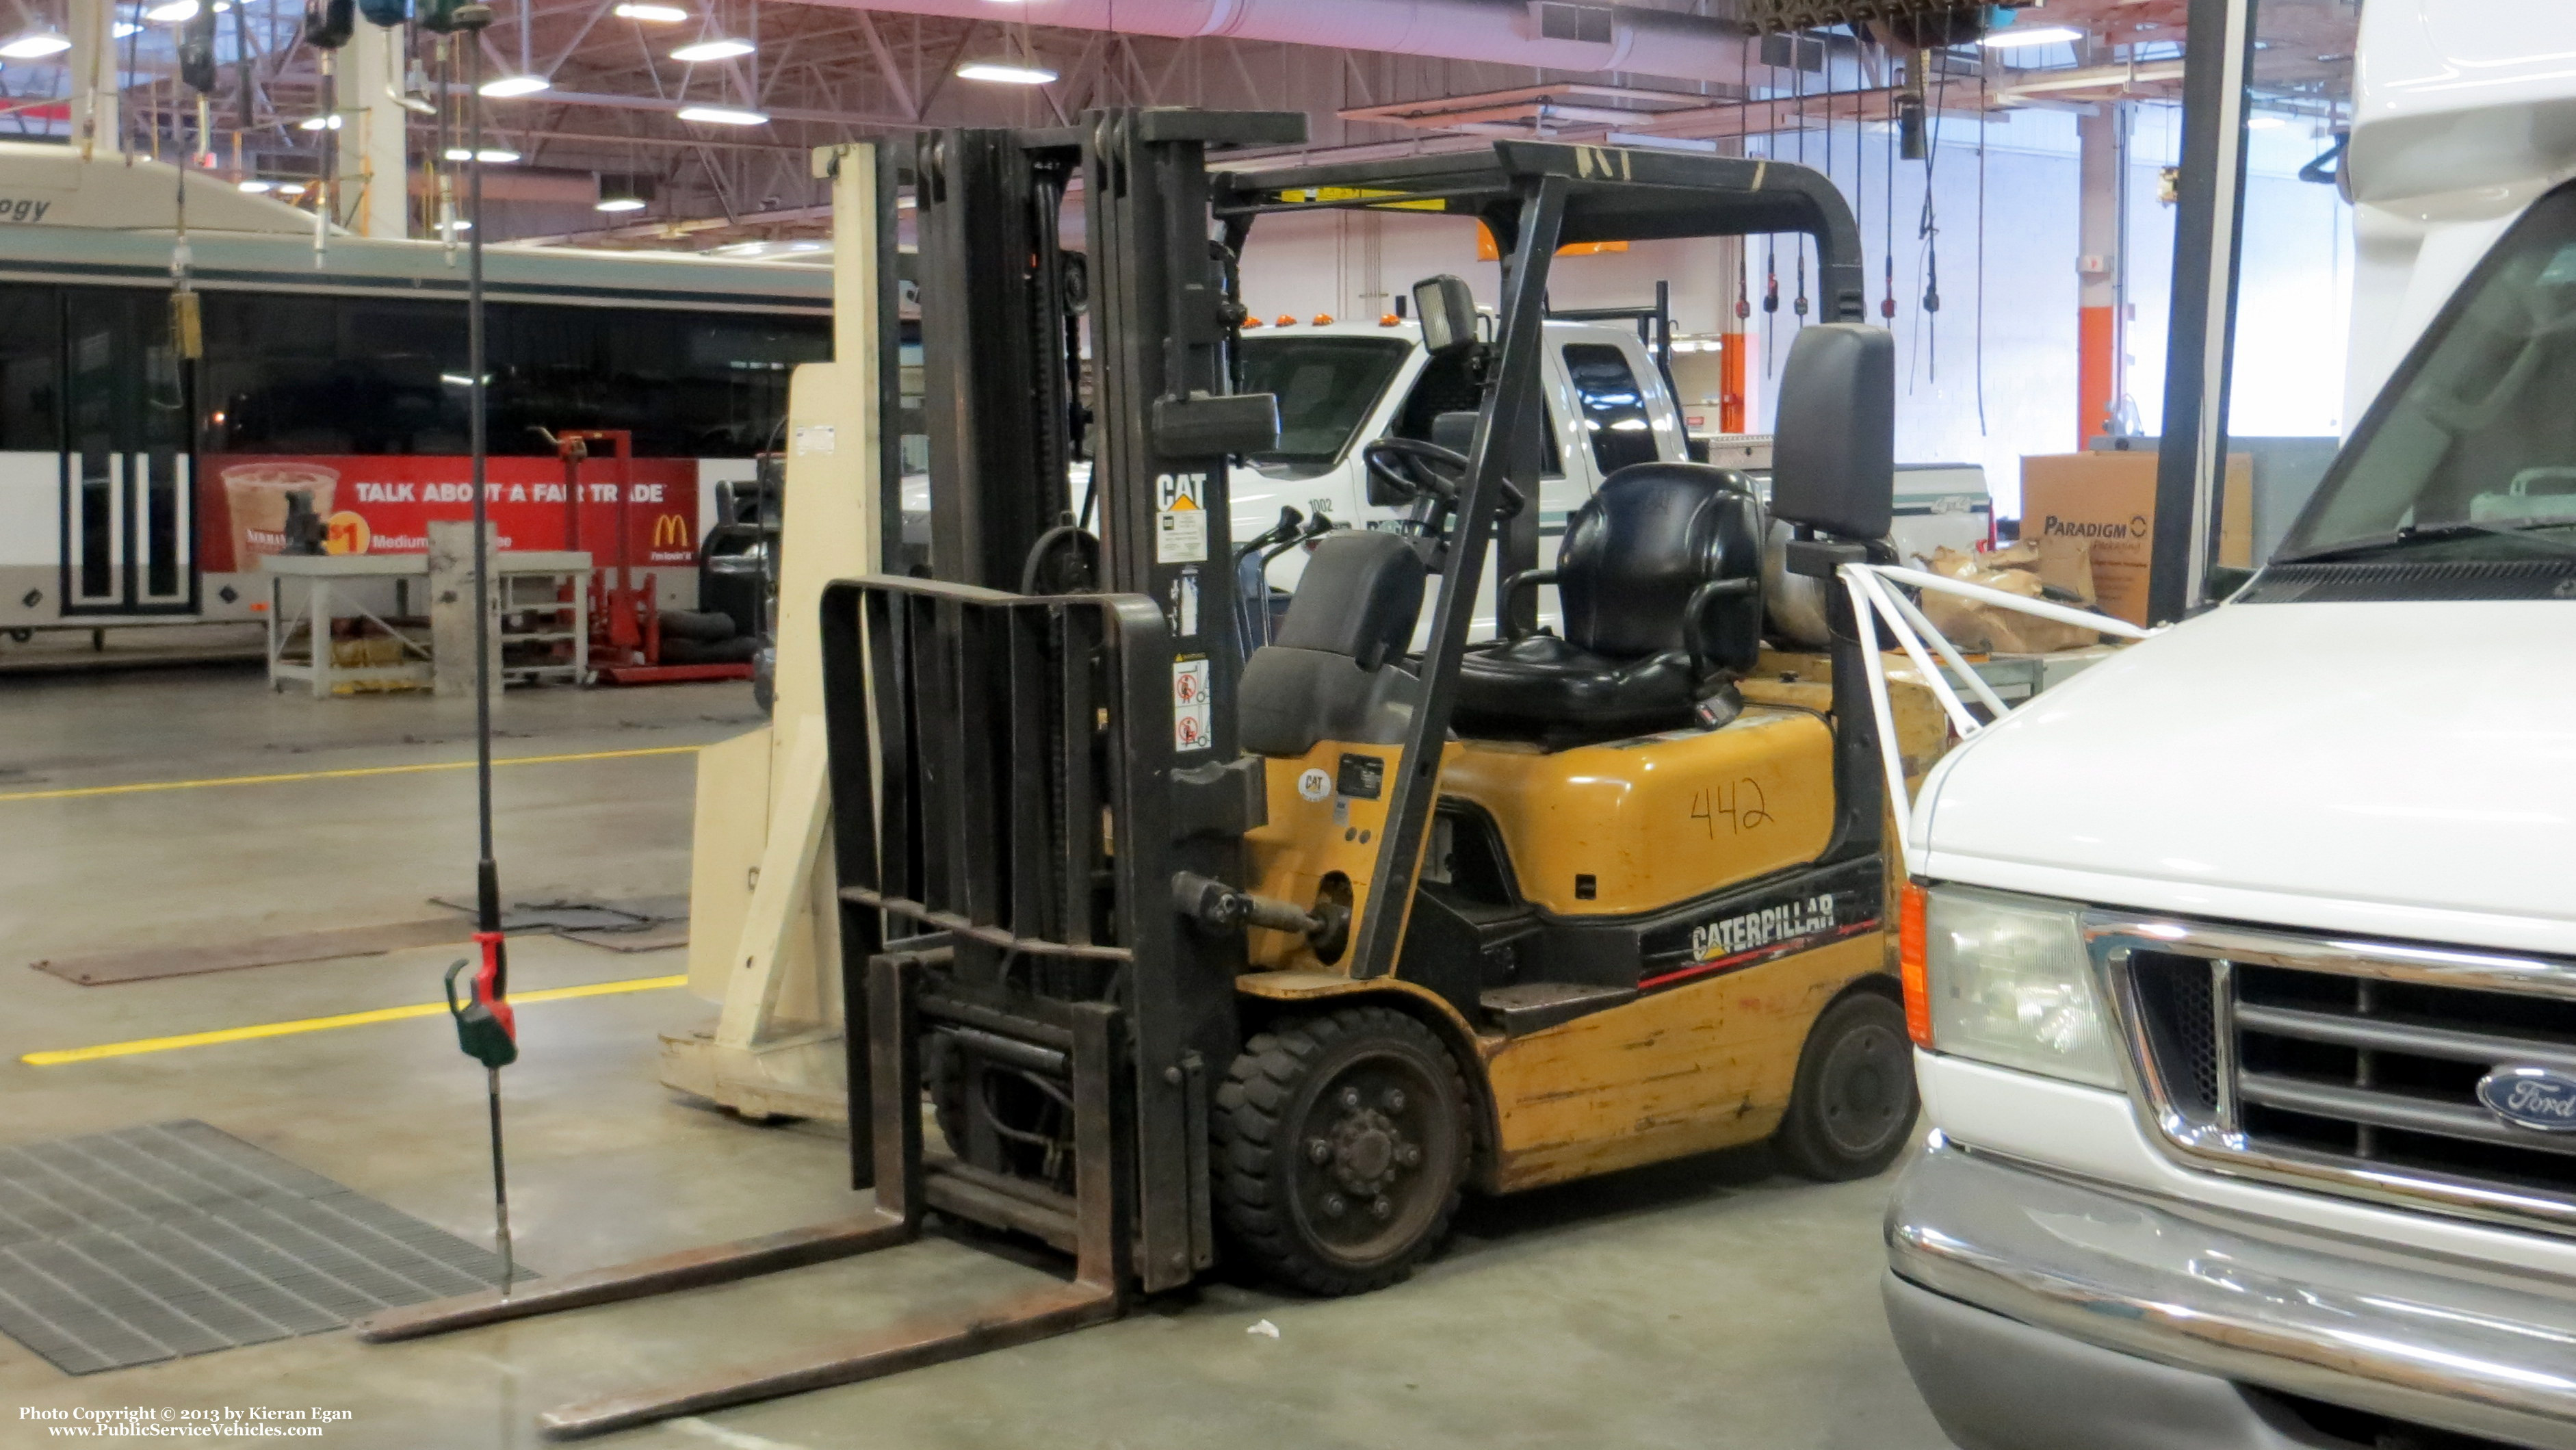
(2110, 499)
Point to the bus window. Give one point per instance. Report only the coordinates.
(363, 375)
(1614, 407)
(31, 343)
(333, 375)
(686, 385)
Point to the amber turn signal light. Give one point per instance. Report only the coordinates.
(1912, 965)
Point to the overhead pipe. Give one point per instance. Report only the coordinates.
(1501, 32)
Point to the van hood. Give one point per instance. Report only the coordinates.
(2398, 769)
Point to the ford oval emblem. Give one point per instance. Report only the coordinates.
(2531, 1097)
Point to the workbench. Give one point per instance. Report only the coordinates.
(327, 598)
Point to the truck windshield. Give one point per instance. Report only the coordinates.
(1327, 386)
(2473, 453)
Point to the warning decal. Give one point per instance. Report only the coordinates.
(1190, 703)
(1181, 526)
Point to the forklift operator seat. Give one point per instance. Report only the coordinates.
(1660, 582)
(1336, 672)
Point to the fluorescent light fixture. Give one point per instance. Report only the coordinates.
(2017, 37)
(123, 28)
(318, 123)
(655, 14)
(36, 43)
(2252, 123)
(619, 203)
(259, 186)
(508, 86)
(706, 50)
(1010, 71)
(722, 116)
(494, 156)
(172, 13)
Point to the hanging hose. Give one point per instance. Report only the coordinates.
(1981, 248)
(1798, 84)
(1887, 244)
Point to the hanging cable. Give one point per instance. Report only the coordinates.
(1770, 240)
(1981, 248)
(1927, 231)
(1887, 224)
(1798, 90)
(1743, 147)
(1932, 234)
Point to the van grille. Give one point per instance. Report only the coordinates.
(2350, 1066)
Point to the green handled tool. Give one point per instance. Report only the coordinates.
(488, 1031)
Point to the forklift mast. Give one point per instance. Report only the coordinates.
(1046, 765)
(995, 365)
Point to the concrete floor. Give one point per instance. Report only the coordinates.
(1710, 1303)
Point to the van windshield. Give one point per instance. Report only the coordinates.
(2473, 453)
(1327, 386)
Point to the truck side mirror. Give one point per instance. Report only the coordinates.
(1833, 447)
(1448, 312)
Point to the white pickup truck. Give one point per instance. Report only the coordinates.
(2243, 967)
(1341, 385)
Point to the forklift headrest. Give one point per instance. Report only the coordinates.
(1833, 448)
(1359, 596)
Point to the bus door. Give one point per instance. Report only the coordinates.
(129, 499)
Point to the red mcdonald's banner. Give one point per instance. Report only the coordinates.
(384, 504)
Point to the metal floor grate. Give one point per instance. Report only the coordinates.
(175, 1239)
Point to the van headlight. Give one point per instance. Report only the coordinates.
(2006, 980)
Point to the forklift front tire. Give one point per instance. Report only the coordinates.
(1854, 1101)
(1342, 1141)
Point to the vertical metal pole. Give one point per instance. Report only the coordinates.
(500, 1180)
(2200, 339)
(487, 878)
(1508, 410)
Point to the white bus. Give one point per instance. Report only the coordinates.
(135, 487)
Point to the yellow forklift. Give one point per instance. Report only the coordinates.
(1194, 952)
(1374, 927)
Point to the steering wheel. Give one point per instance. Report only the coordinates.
(1413, 468)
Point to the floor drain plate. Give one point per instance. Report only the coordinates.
(175, 1239)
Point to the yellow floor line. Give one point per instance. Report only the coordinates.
(325, 1024)
(55, 795)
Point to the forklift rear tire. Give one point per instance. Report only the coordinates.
(1341, 1141)
(1854, 1101)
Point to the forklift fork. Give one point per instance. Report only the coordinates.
(1093, 1221)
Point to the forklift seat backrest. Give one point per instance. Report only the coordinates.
(1332, 673)
(1637, 550)
(1359, 596)
(1833, 446)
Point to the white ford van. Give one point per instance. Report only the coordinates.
(2242, 968)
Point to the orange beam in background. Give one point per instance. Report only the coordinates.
(2097, 341)
(1731, 349)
